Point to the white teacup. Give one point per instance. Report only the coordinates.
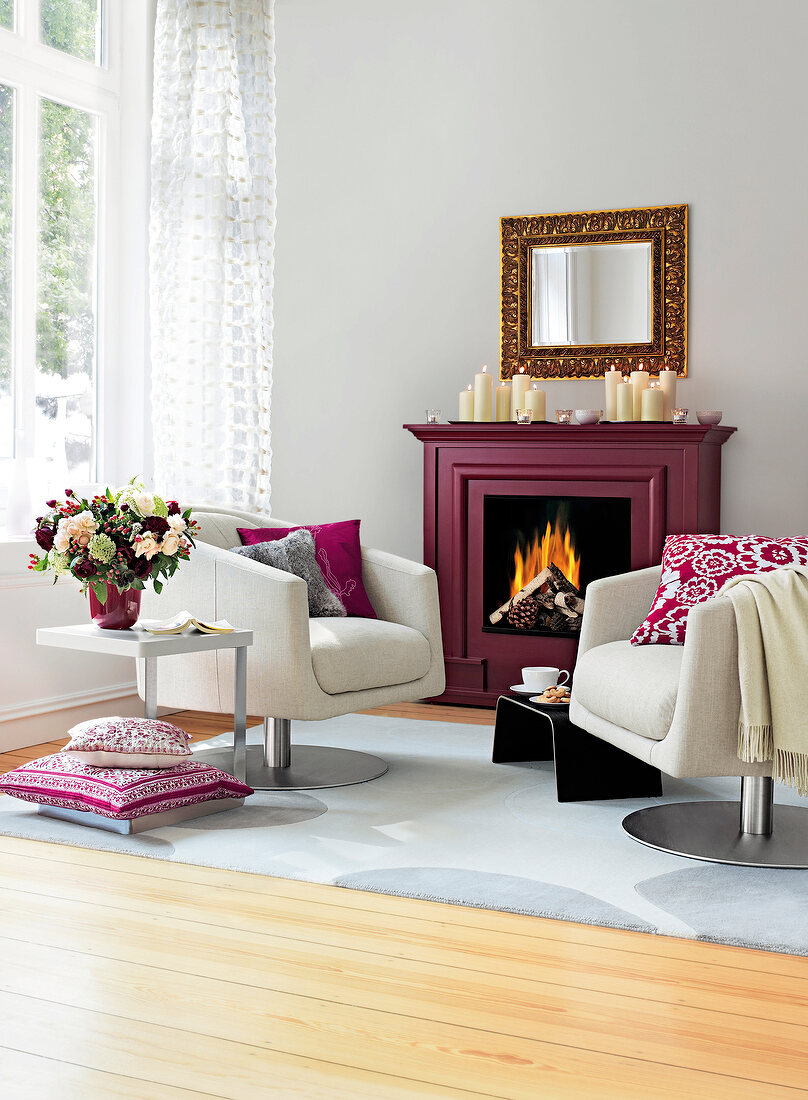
(540, 677)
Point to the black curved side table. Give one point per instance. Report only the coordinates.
(586, 768)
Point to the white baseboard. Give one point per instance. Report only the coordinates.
(48, 719)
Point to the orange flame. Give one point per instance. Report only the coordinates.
(555, 546)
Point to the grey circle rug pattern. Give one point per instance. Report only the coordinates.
(483, 890)
(747, 906)
(446, 824)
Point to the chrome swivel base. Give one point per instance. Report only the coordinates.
(277, 765)
(752, 833)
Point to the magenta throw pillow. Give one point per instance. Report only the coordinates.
(696, 567)
(124, 793)
(339, 556)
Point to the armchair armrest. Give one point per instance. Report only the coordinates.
(615, 607)
(400, 590)
(217, 584)
(406, 592)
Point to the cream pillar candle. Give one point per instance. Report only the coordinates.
(639, 380)
(483, 395)
(625, 400)
(503, 401)
(534, 400)
(613, 379)
(520, 383)
(466, 404)
(667, 381)
(652, 404)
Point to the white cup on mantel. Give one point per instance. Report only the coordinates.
(540, 677)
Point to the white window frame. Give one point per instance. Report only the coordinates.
(34, 70)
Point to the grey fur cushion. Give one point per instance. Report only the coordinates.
(295, 554)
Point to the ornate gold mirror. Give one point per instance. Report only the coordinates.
(584, 292)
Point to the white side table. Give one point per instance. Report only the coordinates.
(139, 643)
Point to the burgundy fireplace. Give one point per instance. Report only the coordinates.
(518, 520)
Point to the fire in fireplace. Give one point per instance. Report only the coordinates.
(541, 552)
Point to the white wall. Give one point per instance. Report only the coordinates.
(407, 128)
(44, 691)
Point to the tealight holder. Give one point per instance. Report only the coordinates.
(679, 416)
(564, 416)
(524, 416)
(433, 416)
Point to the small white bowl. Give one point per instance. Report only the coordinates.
(588, 416)
(711, 417)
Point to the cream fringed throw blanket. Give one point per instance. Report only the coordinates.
(771, 612)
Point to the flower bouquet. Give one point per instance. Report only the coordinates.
(113, 544)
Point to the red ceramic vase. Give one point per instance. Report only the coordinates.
(121, 610)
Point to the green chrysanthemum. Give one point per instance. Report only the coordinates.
(101, 548)
(59, 563)
(160, 507)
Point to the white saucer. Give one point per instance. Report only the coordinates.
(522, 689)
(544, 703)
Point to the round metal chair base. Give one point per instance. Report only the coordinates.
(312, 767)
(711, 831)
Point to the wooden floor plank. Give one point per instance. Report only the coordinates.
(33, 1077)
(112, 1043)
(342, 1008)
(428, 978)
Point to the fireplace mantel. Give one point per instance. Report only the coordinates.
(670, 473)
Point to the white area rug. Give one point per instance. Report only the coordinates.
(446, 824)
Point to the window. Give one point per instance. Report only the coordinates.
(59, 182)
(73, 26)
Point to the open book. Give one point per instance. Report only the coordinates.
(183, 621)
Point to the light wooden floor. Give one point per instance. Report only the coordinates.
(126, 977)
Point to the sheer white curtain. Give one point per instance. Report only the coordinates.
(211, 249)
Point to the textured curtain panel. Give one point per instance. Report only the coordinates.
(211, 249)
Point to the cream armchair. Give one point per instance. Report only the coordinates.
(676, 708)
(300, 668)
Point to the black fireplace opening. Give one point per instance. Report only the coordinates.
(539, 555)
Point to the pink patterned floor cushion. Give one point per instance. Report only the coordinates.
(128, 743)
(124, 793)
(339, 555)
(695, 568)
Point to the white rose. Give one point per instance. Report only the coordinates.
(61, 541)
(81, 527)
(146, 546)
(177, 524)
(144, 503)
(171, 543)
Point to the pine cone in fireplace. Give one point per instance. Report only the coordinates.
(525, 613)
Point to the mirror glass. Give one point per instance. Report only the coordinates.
(591, 294)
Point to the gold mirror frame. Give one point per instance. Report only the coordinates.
(666, 229)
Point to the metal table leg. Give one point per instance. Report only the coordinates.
(150, 687)
(240, 716)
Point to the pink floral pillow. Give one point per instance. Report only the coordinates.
(124, 793)
(128, 743)
(695, 568)
(339, 556)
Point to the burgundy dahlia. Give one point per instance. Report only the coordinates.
(141, 568)
(83, 568)
(173, 507)
(156, 524)
(44, 537)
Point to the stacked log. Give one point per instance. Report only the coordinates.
(553, 603)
